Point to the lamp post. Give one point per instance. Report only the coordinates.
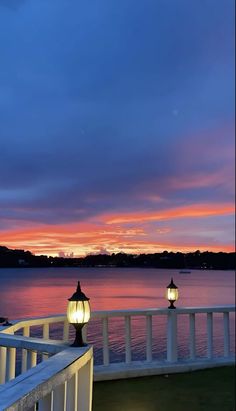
(172, 294)
(78, 314)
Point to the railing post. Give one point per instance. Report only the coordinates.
(3, 363)
(172, 336)
(127, 339)
(149, 338)
(209, 335)
(192, 336)
(85, 384)
(105, 341)
(226, 335)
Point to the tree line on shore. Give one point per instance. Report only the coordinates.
(166, 259)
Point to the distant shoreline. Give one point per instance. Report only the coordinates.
(118, 267)
(166, 260)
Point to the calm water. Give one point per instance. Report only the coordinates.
(38, 292)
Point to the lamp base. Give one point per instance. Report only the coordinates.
(78, 336)
(171, 306)
(75, 344)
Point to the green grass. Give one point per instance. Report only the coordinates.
(207, 390)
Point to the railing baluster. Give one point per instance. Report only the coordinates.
(149, 338)
(192, 336)
(59, 398)
(33, 359)
(11, 363)
(46, 331)
(105, 341)
(3, 364)
(209, 335)
(85, 332)
(127, 339)
(91, 365)
(85, 382)
(26, 333)
(226, 335)
(45, 404)
(45, 337)
(71, 393)
(172, 336)
(66, 331)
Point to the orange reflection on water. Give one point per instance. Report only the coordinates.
(43, 292)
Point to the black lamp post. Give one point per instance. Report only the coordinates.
(172, 294)
(78, 314)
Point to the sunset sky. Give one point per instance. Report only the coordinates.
(117, 125)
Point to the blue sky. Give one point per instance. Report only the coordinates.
(112, 110)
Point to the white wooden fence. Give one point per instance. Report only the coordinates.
(62, 382)
(171, 363)
(58, 377)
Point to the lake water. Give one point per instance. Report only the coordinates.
(44, 291)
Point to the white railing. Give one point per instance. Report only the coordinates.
(171, 363)
(34, 350)
(27, 355)
(61, 383)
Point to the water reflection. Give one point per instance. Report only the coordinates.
(37, 292)
(42, 292)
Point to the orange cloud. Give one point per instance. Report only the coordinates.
(112, 233)
(191, 211)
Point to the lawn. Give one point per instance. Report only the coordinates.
(208, 390)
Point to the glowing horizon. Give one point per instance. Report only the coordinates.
(113, 234)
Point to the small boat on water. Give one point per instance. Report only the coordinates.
(185, 272)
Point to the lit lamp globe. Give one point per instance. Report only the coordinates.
(78, 314)
(172, 293)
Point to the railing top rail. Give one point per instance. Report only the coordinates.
(18, 324)
(37, 382)
(162, 311)
(21, 323)
(33, 344)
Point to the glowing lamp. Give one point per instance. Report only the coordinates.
(78, 314)
(172, 293)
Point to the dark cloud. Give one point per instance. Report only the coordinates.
(12, 4)
(104, 104)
